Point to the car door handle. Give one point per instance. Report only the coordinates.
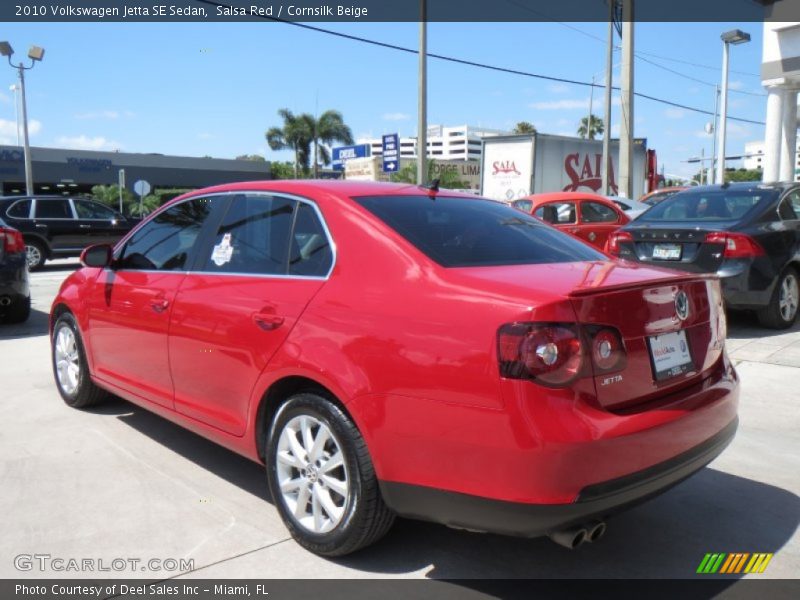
(268, 321)
(41, 226)
(82, 226)
(159, 304)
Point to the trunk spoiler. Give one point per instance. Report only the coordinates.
(599, 287)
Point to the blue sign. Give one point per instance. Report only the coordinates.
(342, 154)
(391, 153)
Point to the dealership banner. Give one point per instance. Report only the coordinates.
(395, 10)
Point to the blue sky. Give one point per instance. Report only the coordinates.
(213, 88)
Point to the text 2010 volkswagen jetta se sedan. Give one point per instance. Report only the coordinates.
(390, 350)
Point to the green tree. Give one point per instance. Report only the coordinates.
(328, 129)
(295, 135)
(447, 179)
(252, 157)
(281, 170)
(591, 130)
(109, 195)
(524, 127)
(742, 175)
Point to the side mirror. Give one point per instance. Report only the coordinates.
(98, 256)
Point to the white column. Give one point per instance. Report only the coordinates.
(772, 140)
(788, 136)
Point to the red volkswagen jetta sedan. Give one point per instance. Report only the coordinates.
(393, 350)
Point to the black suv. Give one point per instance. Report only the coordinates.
(61, 227)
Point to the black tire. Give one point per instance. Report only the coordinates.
(365, 518)
(18, 311)
(36, 254)
(772, 315)
(85, 392)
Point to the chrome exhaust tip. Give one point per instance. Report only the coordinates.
(595, 530)
(569, 538)
(5, 300)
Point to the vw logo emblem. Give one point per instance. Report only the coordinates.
(682, 305)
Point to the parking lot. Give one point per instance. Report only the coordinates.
(118, 482)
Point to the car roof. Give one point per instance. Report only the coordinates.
(569, 197)
(744, 186)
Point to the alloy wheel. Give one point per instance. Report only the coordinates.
(312, 474)
(789, 297)
(68, 368)
(33, 255)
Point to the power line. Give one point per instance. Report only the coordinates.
(470, 63)
(706, 83)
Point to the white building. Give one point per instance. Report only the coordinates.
(754, 157)
(462, 142)
(780, 74)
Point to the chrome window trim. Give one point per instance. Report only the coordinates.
(288, 196)
(30, 210)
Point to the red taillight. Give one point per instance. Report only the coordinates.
(550, 353)
(12, 240)
(737, 245)
(615, 239)
(608, 353)
(554, 353)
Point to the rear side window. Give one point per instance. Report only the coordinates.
(789, 208)
(20, 209)
(460, 232)
(92, 210)
(715, 205)
(253, 237)
(594, 212)
(310, 252)
(53, 209)
(523, 205)
(165, 242)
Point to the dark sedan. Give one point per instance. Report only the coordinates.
(15, 298)
(747, 233)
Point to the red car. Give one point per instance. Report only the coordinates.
(587, 216)
(387, 349)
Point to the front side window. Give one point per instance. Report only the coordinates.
(558, 213)
(165, 242)
(594, 212)
(92, 210)
(53, 209)
(20, 210)
(253, 237)
(460, 232)
(523, 205)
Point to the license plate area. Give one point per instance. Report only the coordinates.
(670, 355)
(667, 252)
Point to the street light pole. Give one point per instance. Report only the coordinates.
(607, 111)
(14, 88)
(35, 54)
(422, 116)
(735, 36)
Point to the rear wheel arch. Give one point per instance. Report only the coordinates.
(32, 237)
(278, 393)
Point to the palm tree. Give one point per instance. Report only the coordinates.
(596, 128)
(524, 127)
(329, 128)
(296, 135)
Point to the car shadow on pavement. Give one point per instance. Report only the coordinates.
(37, 324)
(745, 325)
(666, 537)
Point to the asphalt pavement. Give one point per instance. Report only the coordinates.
(117, 482)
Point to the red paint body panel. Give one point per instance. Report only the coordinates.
(410, 348)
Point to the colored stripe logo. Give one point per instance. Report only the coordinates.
(735, 562)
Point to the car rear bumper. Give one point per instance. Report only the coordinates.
(596, 501)
(745, 284)
(14, 277)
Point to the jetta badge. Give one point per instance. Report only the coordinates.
(682, 305)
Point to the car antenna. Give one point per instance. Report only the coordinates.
(433, 185)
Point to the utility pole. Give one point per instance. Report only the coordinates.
(626, 85)
(712, 170)
(607, 113)
(589, 118)
(422, 111)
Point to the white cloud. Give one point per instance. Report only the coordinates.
(8, 130)
(84, 142)
(558, 88)
(735, 85)
(204, 136)
(100, 114)
(571, 104)
(736, 130)
(674, 113)
(396, 116)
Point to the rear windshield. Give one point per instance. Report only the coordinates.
(460, 232)
(714, 205)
